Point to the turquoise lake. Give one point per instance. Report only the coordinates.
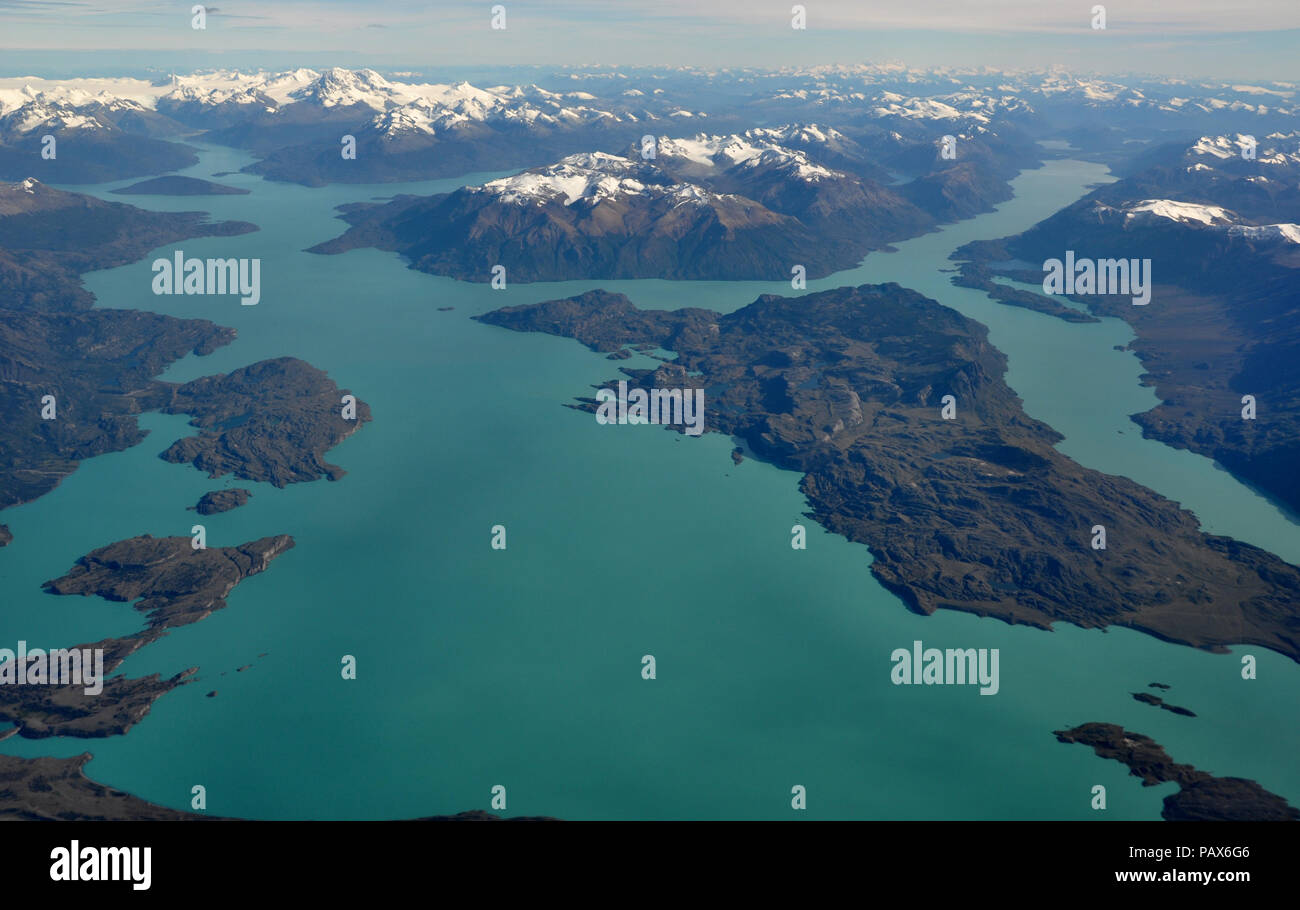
(521, 667)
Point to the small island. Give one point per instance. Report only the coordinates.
(1157, 702)
(221, 501)
(270, 422)
(179, 186)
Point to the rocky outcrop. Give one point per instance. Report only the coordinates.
(221, 501)
(1157, 702)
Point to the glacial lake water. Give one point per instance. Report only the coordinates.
(522, 667)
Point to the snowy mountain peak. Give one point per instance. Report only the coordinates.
(339, 87)
(1271, 150)
(804, 133)
(1213, 217)
(1288, 233)
(50, 116)
(755, 148)
(1185, 212)
(1221, 147)
(591, 178)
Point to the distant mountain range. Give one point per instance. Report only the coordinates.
(887, 119)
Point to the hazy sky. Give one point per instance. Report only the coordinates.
(1239, 39)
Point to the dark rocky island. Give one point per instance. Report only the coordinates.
(166, 579)
(1200, 797)
(979, 513)
(271, 421)
(1158, 702)
(221, 501)
(179, 186)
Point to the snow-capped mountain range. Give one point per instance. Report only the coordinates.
(704, 154)
(884, 123)
(590, 178)
(394, 107)
(1273, 150)
(1207, 216)
(595, 176)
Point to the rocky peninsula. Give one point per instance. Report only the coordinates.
(1200, 797)
(170, 582)
(979, 512)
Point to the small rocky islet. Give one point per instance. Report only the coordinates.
(219, 501)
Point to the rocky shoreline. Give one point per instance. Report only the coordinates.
(57, 789)
(271, 421)
(100, 365)
(166, 579)
(1200, 797)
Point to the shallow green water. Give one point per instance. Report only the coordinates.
(522, 667)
